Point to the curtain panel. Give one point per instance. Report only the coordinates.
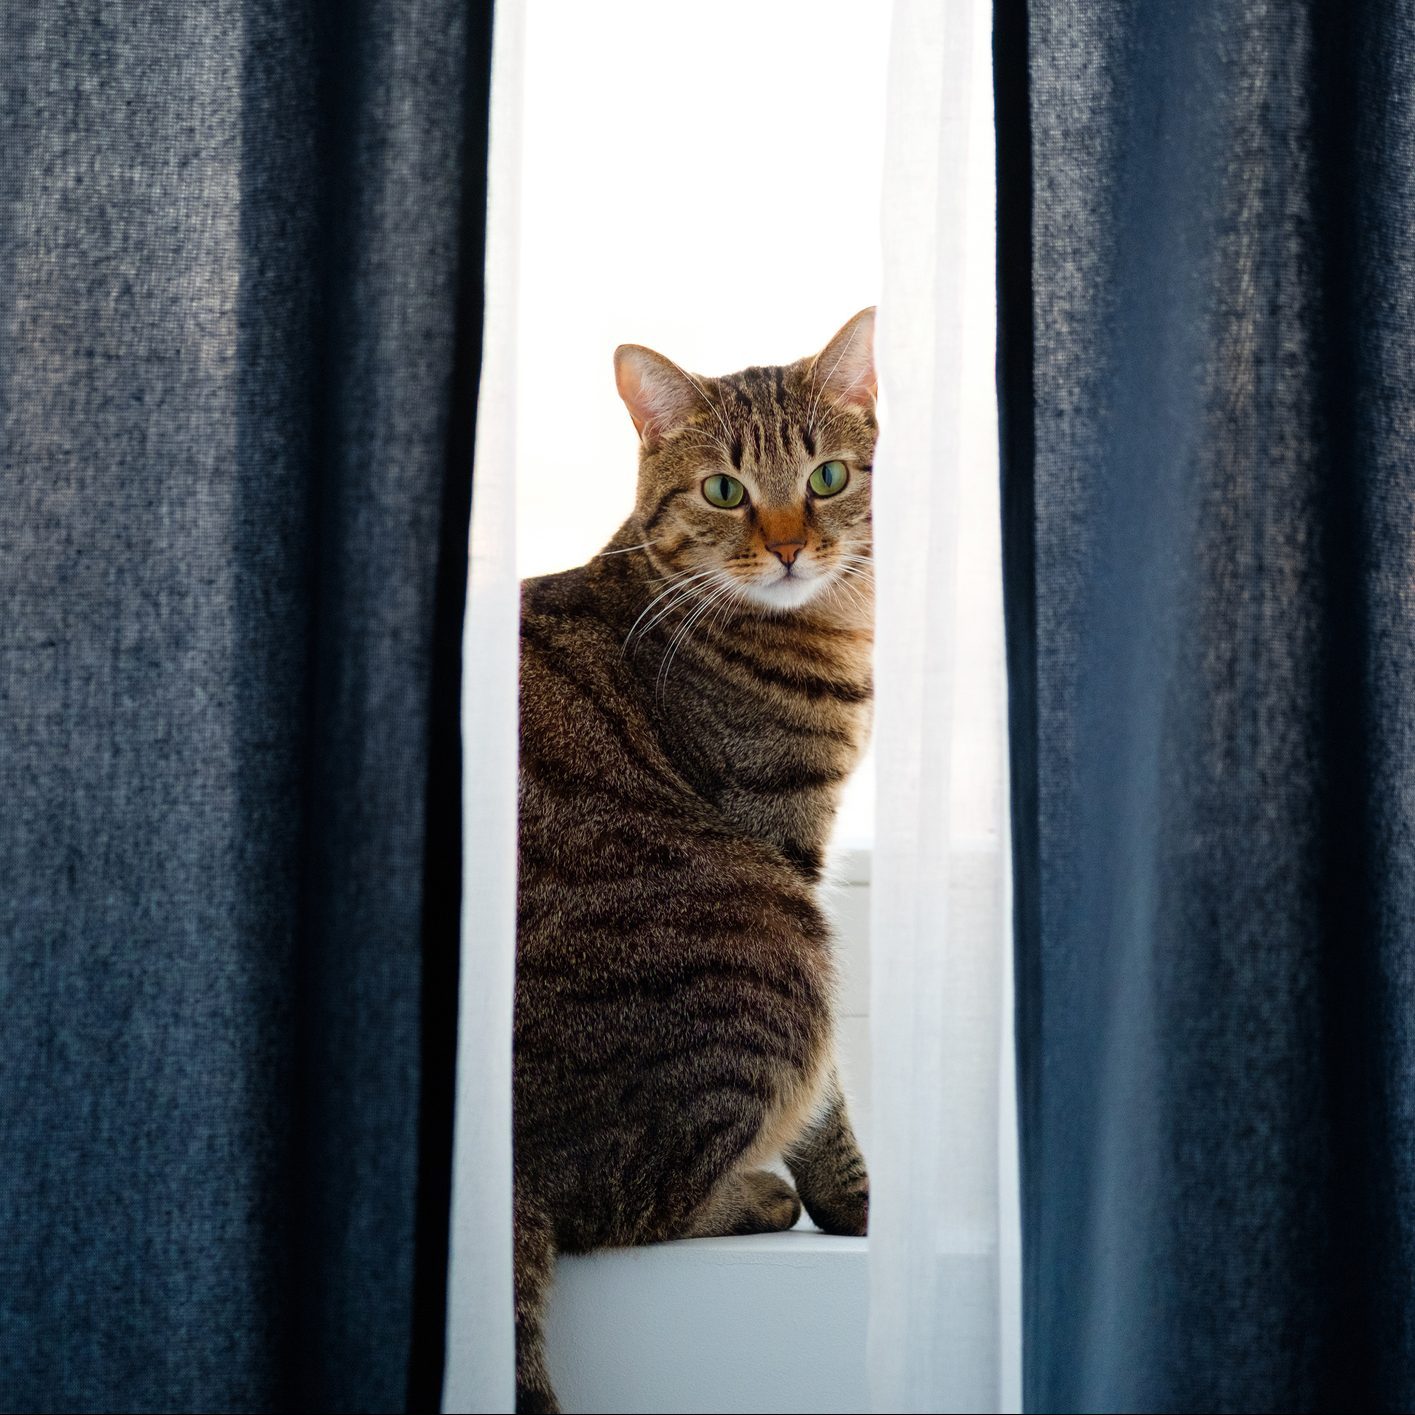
(481, 1338)
(1208, 414)
(240, 308)
(943, 1329)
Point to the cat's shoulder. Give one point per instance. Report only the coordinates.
(566, 614)
(563, 591)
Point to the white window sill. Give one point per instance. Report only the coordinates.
(771, 1322)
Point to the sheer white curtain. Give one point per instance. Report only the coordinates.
(944, 1326)
(480, 1371)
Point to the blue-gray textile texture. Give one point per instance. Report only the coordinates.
(1207, 376)
(239, 297)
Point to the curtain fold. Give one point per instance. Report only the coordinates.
(481, 1352)
(943, 1330)
(1208, 395)
(239, 310)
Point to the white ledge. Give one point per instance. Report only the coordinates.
(771, 1322)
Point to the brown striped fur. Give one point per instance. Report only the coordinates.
(684, 742)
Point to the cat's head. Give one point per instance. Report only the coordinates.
(757, 482)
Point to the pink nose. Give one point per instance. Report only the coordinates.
(786, 550)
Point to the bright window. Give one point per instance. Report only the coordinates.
(701, 179)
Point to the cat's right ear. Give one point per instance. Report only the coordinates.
(847, 364)
(657, 393)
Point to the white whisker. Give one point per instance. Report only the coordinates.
(852, 594)
(682, 583)
(721, 587)
(686, 593)
(703, 439)
(703, 393)
(624, 550)
(729, 601)
(811, 418)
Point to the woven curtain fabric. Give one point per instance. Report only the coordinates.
(943, 1248)
(1208, 388)
(239, 305)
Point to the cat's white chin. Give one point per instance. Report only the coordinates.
(785, 591)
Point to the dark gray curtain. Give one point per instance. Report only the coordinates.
(1207, 374)
(240, 266)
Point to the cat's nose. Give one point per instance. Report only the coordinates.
(786, 551)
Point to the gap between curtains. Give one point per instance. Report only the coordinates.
(943, 1247)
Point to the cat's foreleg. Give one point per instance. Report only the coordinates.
(746, 1201)
(535, 1269)
(829, 1170)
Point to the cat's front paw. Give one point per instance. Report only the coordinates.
(844, 1213)
(772, 1205)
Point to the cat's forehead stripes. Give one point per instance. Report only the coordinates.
(766, 415)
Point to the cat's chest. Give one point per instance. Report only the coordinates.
(772, 739)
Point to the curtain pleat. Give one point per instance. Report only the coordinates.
(481, 1354)
(943, 1253)
(1208, 410)
(239, 309)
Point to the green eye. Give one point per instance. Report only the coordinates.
(829, 478)
(724, 491)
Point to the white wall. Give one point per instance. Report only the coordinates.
(847, 901)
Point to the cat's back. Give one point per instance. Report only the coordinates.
(652, 937)
(584, 721)
(601, 803)
(611, 830)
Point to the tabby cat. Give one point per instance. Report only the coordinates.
(692, 701)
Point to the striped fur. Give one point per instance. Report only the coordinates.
(684, 742)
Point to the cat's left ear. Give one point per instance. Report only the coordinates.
(657, 393)
(845, 368)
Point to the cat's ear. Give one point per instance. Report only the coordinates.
(845, 369)
(657, 393)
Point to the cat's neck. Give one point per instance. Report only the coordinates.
(764, 712)
(660, 617)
